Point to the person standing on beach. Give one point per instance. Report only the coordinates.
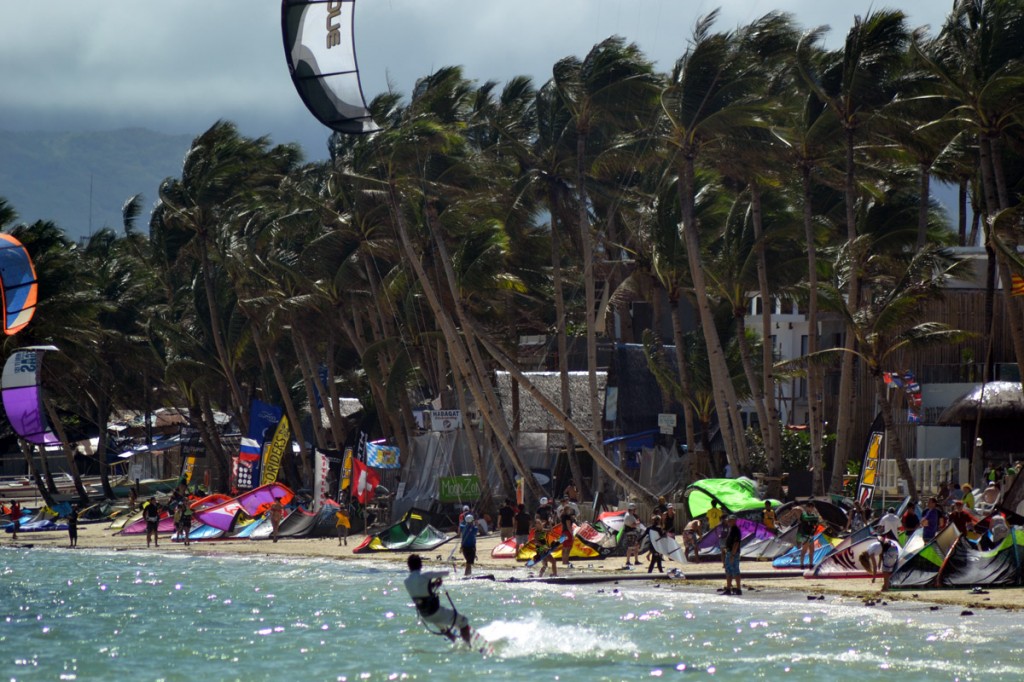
(506, 520)
(469, 532)
(186, 520)
(714, 515)
(890, 522)
(654, 532)
(690, 535)
(930, 520)
(631, 530)
(805, 533)
(15, 519)
(768, 516)
(73, 527)
(543, 526)
(732, 557)
(151, 512)
(522, 522)
(567, 513)
(343, 524)
(276, 516)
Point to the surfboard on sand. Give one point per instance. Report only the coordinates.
(667, 547)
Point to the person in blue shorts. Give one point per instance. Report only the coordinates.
(732, 557)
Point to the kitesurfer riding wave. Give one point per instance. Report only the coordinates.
(422, 587)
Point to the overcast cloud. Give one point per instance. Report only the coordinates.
(180, 65)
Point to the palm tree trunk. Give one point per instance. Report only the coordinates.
(694, 448)
(846, 397)
(606, 465)
(563, 347)
(286, 398)
(586, 245)
(815, 388)
(69, 454)
(923, 200)
(773, 443)
(895, 443)
(217, 332)
(475, 452)
(457, 345)
(716, 354)
(34, 475)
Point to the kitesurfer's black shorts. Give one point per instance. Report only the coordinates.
(469, 554)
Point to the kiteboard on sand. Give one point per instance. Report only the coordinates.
(541, 556)
(667, 547)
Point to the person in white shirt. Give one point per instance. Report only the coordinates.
(631, 526)
(890, 523)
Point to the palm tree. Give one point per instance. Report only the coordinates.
(712, 93)
(976, 65)
(611, 89)
(889, 322)
(854, 83)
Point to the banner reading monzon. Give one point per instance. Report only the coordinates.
(278, 446)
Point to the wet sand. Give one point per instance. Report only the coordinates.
(704, 575)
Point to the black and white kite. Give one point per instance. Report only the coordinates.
(319, 43)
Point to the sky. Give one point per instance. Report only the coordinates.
(178, 66)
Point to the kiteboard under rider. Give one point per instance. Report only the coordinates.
(422, 587)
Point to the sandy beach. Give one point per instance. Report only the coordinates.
(703, 576)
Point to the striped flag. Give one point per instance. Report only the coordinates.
(1017, 285)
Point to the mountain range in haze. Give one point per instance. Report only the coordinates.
(80, 180)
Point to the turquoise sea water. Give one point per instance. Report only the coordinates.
(98, 615)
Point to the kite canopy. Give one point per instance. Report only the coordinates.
(319, 43)
(18, 286)
(23, 395)
(734, 495)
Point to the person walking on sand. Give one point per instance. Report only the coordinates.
(151, 513)
(654, 532)
(276, 515)
(469, 532)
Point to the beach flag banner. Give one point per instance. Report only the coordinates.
(364, 481)
(275, 453)
(869, 467)
(322, 466)
(382, 456)
(346, 471)
(187, 468)
(1017, 286)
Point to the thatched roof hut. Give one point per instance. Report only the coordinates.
(996, 409)
(993, 400)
